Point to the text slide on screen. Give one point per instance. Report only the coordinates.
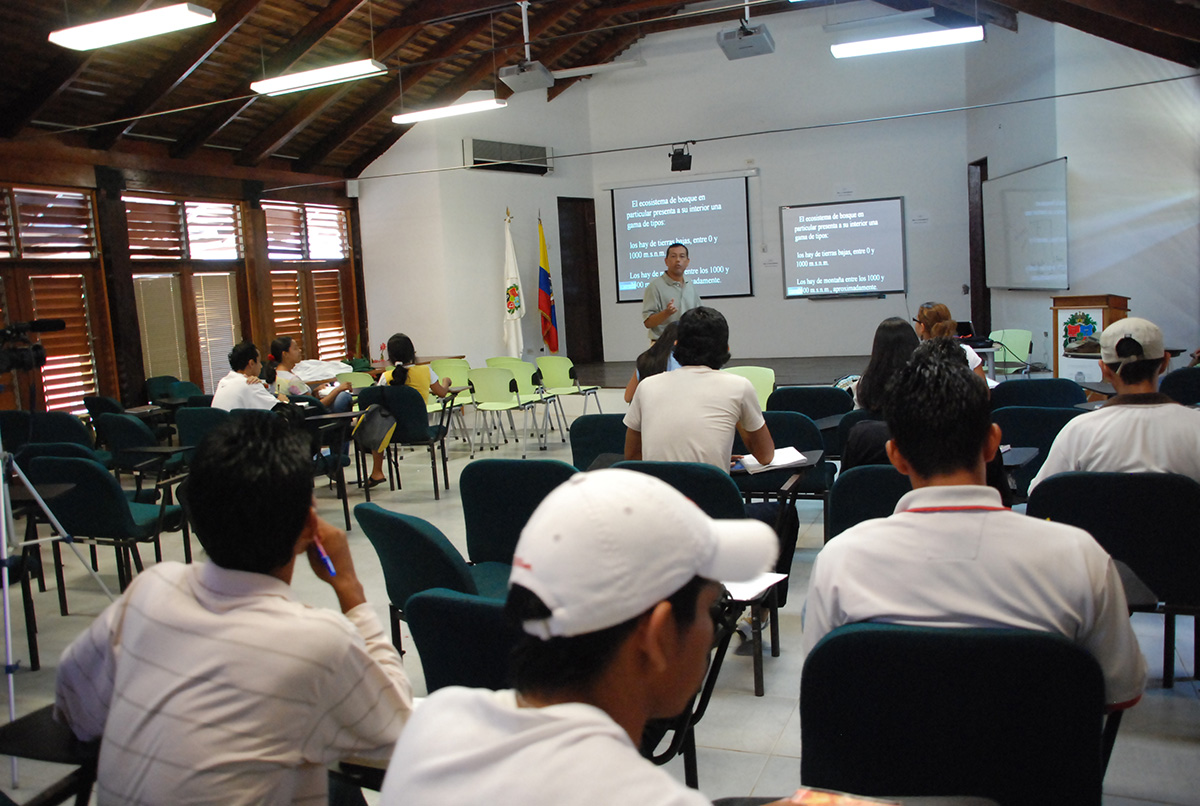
(708, 216)
(843, 248)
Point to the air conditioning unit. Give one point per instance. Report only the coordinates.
(512, 157)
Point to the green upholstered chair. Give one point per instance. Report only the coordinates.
(862, 493)
(1182, 385)
(815, 403)
(416, 556)
(1046, 392)
(463, 638)
(60, 426)
(593, 435)
(498, 496)
(15, 429)
(1150, 524)
(1031, 427)
(1016, 716)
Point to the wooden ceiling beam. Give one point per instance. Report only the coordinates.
(1177, 19)
(410, 77)
(984, 11)
(1156, 43)
(606, 51)
(64, 68)
(173, 73)
(304, 41)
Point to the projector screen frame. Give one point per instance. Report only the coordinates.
(749, 254)
(998, 256)
(878, 294)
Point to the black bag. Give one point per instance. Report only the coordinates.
(373, 431)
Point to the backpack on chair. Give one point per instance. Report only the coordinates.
(373, 431)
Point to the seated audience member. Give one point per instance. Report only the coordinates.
(893, 346)
(405, 371)
(242, 388)
(933, 320)
(691, 414)
(212, 683)
(659, 357)
(279, 371)
(613, 582)
(1139, 429)
(951, 556)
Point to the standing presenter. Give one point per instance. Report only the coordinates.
(669, 295)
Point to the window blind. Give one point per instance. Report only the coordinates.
(155, 228)
(54, 224)
(285, 231)
(216, 320)
(70, 371)
(286, 301)
(328, 235)
(160, 320)
(7, 242)
(331, 331)
(214, 231)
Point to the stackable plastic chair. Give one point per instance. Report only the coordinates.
(559, 378)
(498, 496)
(357, 380)
(1013, 349)
(416, 556)
(1016, 716)
(531, 392)
(494, 390)
(763, 379)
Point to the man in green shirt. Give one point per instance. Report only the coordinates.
(669, 295)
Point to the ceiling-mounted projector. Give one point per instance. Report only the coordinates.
(744, 42)
(527, 76)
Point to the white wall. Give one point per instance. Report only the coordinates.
(437, 239)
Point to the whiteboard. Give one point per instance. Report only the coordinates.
(1025, 228)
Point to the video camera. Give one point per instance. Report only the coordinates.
(17, 352)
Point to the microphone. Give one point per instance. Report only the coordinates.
(40, 326)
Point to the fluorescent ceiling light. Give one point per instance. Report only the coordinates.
(132, 26)
(891, 44)
(321, 77)
(450, 111)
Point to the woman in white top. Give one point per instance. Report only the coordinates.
(933, 320)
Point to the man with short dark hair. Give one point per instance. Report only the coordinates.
(1140, 429)
(952, 556)
(669, 295)
(612, 584)
(211, 682)
(691, 414)
(241, 388)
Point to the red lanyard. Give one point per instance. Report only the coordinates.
(959, 509)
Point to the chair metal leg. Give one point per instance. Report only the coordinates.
(690, 776)
(1112, 723)
(30, 615)
(1168, 650)
(58, 578)
(445, 464)
(395, 619)
(756, 640)
(433, 466)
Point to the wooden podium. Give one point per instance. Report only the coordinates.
(1076, 318)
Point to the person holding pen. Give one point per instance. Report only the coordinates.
(211, 682)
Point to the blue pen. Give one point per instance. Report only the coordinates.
(324, 556)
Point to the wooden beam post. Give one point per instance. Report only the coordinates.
(113, 230)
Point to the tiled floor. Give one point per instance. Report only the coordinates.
(747, 744)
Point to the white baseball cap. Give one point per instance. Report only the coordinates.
(606, 546)
(1146, 341)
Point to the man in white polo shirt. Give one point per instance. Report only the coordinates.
(241, 387)
(952, 556)
(1140, 429)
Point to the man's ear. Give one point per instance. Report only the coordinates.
(657, 634)
(1166, 364)
(1106, 374)
(307, 532)
(992, 443)
(896, 458)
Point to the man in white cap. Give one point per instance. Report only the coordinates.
(1139, 429)
(612, 583)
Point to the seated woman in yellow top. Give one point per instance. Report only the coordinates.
(405, 370)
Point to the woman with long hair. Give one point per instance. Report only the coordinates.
(893, 346)
(286, 353)
(933, 320)
(658, 358)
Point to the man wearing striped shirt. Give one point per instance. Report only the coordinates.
(211, 682)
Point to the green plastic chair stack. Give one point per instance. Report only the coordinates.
(494, 390)
(559, 378)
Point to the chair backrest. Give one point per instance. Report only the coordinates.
(59, 426)
(502, 361)
(193, 422)
(710, 488)
(199, 400)
(453, 370)
(15, 429)
(525, 373)
(415, 555)
(357, 380)
(159, 386)
(33, 450)
(1013, 348)
(412, 416)
(493, 385)
(1011, 715)
(1031, 427)
(95, 506)
(763, 379)
(558, 371)
(1149, 521)
(99, 404)
(184, 389)
(463, 640)
(594, 434)
(1046, 392)
(498, 496)
(788, 428)
(1182, 385)
(813, 402)
(123, 432)
(851, 419)
(862, 493)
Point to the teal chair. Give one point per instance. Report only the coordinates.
(1182, 385)
(60, 426)
(1044, 392)
(593, 435)
(15, 429)
(1031, 427)
(711, 489)
(1016, 716)
(159, 386)
(127, 437)
(413, 428)
(97, 509)
(862, 493)
(815, 403)
(193, 422)
(184, 389)
(498, 496)
(416, 556)
(463, 639)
